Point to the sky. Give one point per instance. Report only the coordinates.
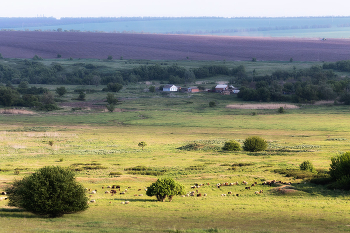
(173, 8)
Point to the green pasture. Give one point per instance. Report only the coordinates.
(102, 146)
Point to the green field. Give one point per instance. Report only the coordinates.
(167, 122)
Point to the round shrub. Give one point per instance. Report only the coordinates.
(232, 146)
(254, 144)
(51, 191)
(164, 188)
(307, 166)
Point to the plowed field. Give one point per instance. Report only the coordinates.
(19, 44)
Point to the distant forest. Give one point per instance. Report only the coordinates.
(336, 27)
(299, 86)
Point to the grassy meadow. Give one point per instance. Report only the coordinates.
(103, 148)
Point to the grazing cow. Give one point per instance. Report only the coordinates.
(140, 195)
(113, 186)
(248, 188)
(204, 194)
(139, 190)
(237, 195)
(3, 193)
(106, 192)
(92, 201)
(199, 195)
(230, 192)
(113, 191)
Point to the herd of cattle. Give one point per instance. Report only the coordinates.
(117, 189)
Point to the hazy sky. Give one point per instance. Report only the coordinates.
(173, 8)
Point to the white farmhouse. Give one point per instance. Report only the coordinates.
(170, 87)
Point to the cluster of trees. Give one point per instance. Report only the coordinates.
(173, 74)
(339, 66)
(24, 96)
(305, 85)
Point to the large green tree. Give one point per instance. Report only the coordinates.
(51, 191)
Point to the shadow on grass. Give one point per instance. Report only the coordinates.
(321, 190)
(16, 213)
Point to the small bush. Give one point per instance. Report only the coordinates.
(110, 107)
(280, 110)
(115, 173)
(307, 166)
(232, 146)
(254, 144)
(212, 104)
(142, 144)
(196, 146)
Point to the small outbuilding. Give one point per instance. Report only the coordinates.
(193, 89)
(170, 87)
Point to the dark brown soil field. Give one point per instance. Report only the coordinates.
(169, 47)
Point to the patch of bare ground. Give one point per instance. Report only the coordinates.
(285, 189)
(16, 112)
(324, 102)
(261, 106)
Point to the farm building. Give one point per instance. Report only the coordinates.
(221, 87)
(193, 89)
(170, 87)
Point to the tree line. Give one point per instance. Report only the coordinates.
(299, 86)
(295, 85)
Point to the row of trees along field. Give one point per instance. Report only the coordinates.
(304, 85)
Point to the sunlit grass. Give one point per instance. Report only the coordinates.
(109, 142)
